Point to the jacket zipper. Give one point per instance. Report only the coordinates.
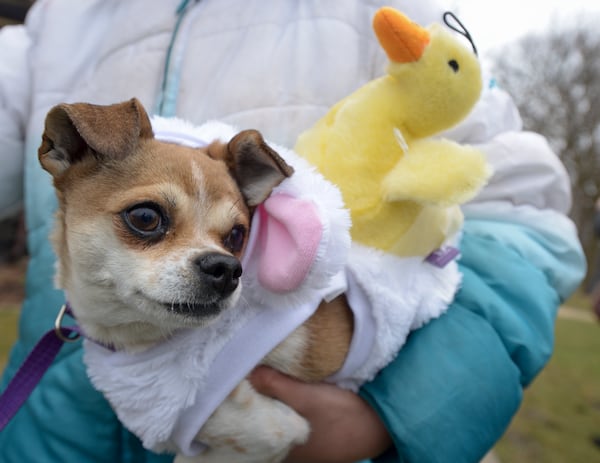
(166, 100)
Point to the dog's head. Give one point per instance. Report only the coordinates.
(149, 234)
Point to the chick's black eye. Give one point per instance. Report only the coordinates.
(453, 64)
(234, 241)
(146, 220)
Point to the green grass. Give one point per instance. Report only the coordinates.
(580, 300)
(9, 316)
(560, 415)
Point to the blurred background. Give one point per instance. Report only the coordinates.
(547, 55)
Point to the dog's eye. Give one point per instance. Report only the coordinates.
(146, 220)
(235, 240)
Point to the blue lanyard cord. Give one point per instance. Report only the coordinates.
(182, 6)
(167, 96)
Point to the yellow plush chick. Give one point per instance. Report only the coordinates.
(402, 186)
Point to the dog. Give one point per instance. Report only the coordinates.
(150, 236)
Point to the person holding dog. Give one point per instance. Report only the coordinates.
(454, 387)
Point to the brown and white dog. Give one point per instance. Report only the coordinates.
(149, 237)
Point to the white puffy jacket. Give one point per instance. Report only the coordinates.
(316, 52)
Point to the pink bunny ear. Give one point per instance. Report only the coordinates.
(287, 241)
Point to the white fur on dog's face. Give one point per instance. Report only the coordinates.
(114, 275)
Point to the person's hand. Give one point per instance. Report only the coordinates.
(344, 428)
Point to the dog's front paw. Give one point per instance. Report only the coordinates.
(250, 428)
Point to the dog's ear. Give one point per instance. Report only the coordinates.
(254, 165)
(73, 131)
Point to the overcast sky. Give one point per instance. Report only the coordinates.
(495, 23)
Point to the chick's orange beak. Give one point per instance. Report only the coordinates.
(403, 40)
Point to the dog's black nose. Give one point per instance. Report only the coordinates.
(220, 271)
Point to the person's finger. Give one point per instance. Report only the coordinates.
(278, 386)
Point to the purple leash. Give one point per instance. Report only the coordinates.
(35, 365)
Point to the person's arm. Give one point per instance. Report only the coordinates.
(14, 43)
(456, 384)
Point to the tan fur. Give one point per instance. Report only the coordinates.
(124, 287)
(162, 174)
(317, 349)
(330, 332)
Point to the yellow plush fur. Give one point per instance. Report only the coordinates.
(402, 186)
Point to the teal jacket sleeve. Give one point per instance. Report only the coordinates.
(456, 384)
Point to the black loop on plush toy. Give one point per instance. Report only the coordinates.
(461, 29)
